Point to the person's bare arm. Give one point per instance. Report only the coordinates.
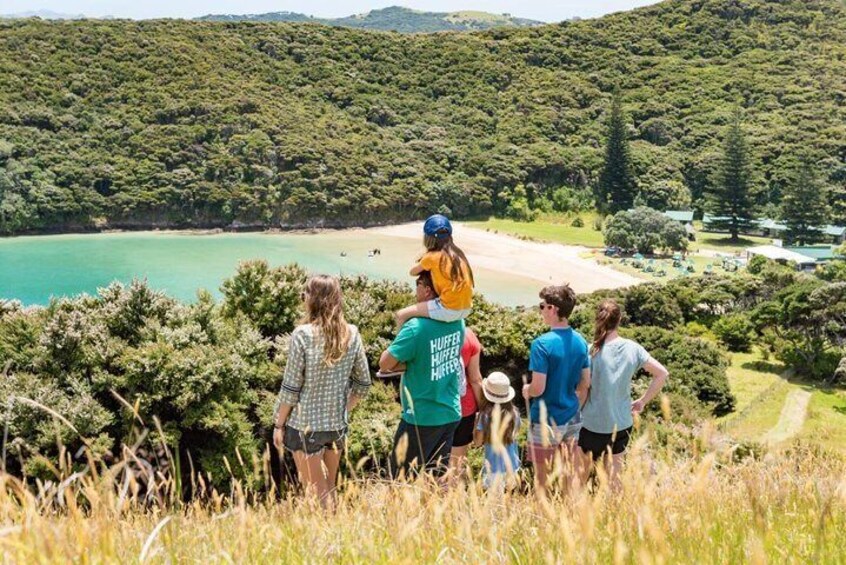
(416, 270)
(388, 363)
(474, 378)
(282, 415)
(659, 377)
(359, 377)
(583, 387)
(478, 435)
(536, 387)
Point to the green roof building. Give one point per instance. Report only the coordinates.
(819, 253)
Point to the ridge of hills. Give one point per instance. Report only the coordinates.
(205, 124)
(394, 18)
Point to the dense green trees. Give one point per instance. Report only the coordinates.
(645, 230)
(616, 188)
(805, 206)
(174, 123)
(731, 198)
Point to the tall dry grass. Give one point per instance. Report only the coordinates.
(783, 507)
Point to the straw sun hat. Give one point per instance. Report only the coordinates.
(497, 388)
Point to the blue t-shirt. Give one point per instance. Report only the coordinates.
(560, 354)
(609, 406)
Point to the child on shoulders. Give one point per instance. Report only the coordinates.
(451, 274)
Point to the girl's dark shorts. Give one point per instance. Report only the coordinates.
(314, 442)
(597, 445)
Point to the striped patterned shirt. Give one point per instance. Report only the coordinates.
(318, 392)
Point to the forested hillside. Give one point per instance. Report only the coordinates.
(394, 18)
(178, 123)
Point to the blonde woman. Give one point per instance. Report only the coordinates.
(325, 376)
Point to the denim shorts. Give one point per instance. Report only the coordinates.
(439, 312)
(545, 439)
(313, 443)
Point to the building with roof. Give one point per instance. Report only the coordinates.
(680, 216)
(782, 255)
(819, 253)
(836, 233)
(686, 219)
(771, 228)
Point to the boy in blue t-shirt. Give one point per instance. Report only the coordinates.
(560, 366)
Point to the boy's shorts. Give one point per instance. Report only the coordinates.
(545, 440)
(439, 312)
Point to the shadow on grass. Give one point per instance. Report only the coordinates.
(763, 367)
(727, 242)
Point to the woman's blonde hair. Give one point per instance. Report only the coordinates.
(452, 257)
(608, 317)
(325, 311)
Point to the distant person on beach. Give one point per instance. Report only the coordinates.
(607, 415)
(470, 388)
(326, 374)
(560, 367)
(429, 353)
(451, 274)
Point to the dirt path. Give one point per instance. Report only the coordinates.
(791, 419)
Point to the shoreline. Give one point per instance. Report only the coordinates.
(544, 263)
(549, 263)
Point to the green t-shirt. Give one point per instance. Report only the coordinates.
(431, 352)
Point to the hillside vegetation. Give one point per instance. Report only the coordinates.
(178, 123)
(394, 18)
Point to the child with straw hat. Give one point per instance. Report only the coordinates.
(499, 421)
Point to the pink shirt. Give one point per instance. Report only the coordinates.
(471, 347)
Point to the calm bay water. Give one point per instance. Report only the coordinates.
(33, 269)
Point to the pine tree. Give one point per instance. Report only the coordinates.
(804, 207)
(617, 187)
(730, 198)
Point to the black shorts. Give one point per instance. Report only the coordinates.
(426, 448)
(597, 444)
(464, 432)
(313, 443)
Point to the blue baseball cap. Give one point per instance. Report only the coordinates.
(437, 226)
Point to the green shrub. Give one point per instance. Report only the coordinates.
(757, 263)
(267, 297)
(695, 329)
(578, 222)
(697, 368)
(735, 331)
(598, 223)
(646, 230)
(372, 427)
(651, 305)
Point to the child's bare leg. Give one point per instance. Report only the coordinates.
(419, 310)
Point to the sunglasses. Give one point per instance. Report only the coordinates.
(543, 306)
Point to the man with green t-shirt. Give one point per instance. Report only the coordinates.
(431, 407)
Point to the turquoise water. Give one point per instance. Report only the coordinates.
(34, 269)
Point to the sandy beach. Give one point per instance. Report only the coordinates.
(544, 262)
